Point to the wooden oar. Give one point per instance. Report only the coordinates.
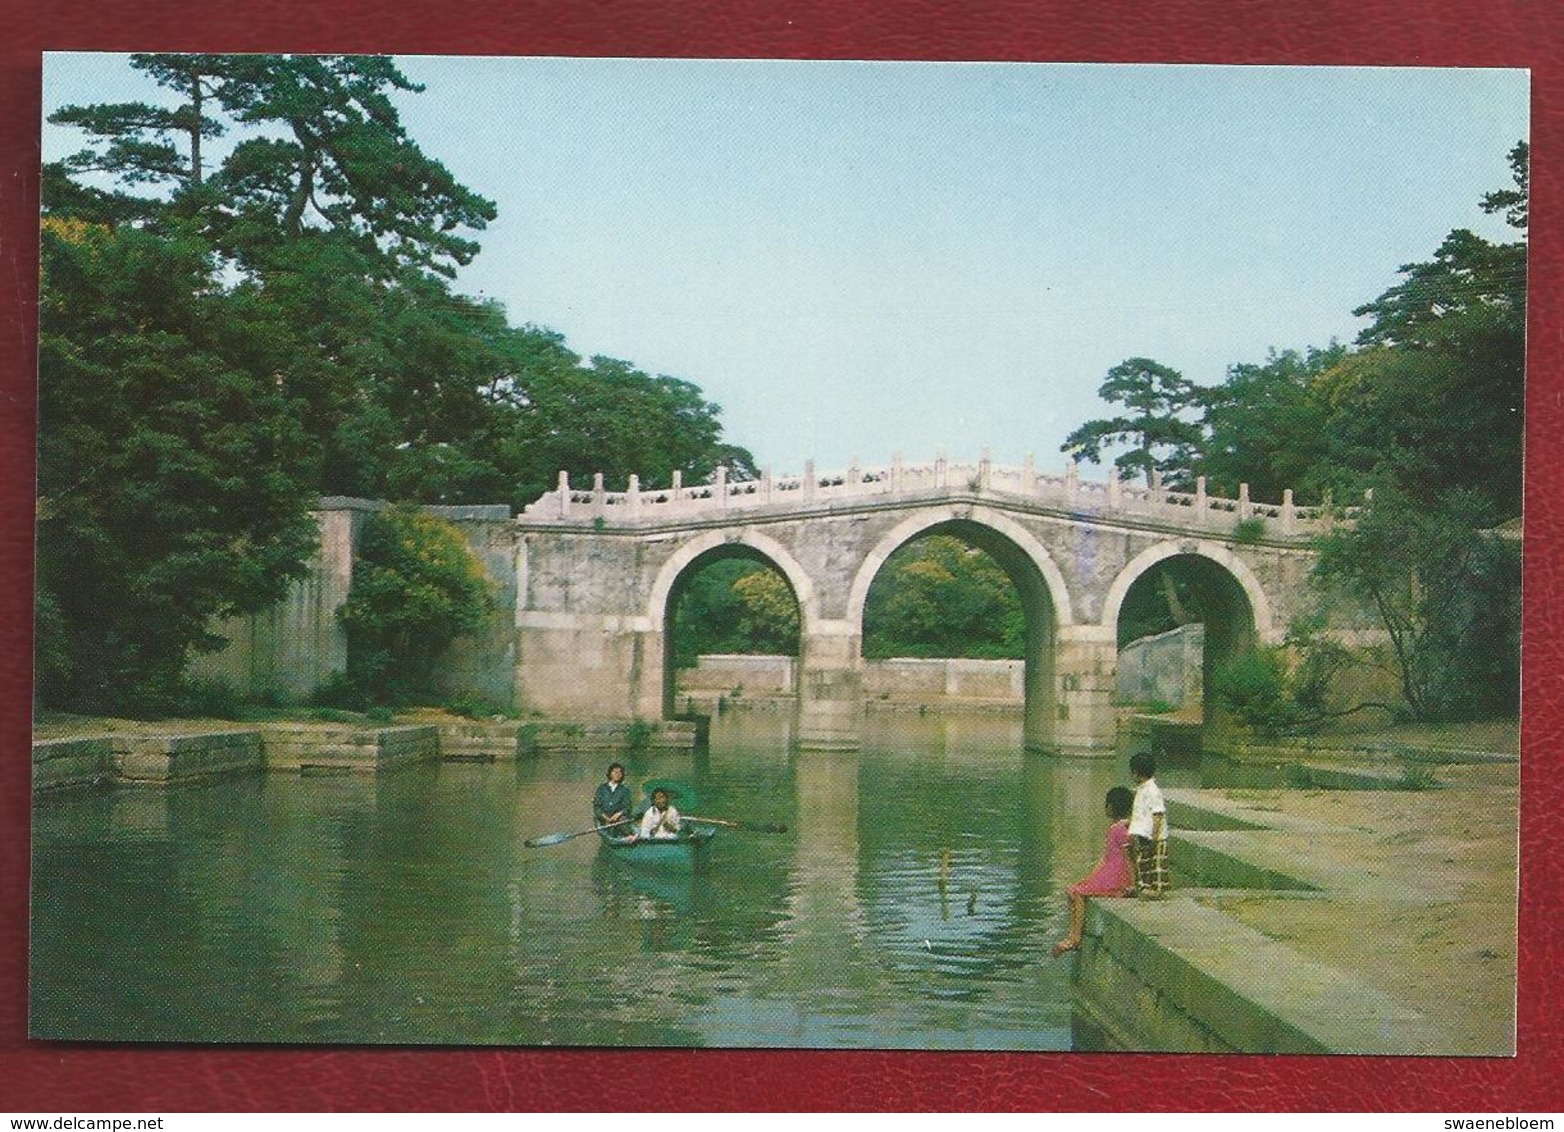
(754, 827)
(557, 838)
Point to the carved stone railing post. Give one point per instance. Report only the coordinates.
(898, 480)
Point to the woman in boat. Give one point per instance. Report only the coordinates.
(661, 820)
(611, 803)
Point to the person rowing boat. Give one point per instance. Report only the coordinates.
(611, 802)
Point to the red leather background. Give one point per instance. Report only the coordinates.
(1526, 33)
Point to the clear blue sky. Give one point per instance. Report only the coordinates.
(863, 258)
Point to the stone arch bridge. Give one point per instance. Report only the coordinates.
(598, 574)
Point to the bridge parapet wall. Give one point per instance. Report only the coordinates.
(904, 483)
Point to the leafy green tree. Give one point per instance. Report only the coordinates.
(1514, 203)
(297, 172)
(332, 221)
(1160, 439)
(168, 473)
(939, 597)
(323, 149)
(1267, 426)
(1445, 388)
(1446, 589)
(770, 612)
(607, 417)
(735, 605)
(138, 145)
(416, 588)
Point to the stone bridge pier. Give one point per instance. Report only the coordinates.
(599, 574)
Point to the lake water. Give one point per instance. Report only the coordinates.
(910, 904)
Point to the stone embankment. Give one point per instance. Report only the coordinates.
(139, 754)
(1350, 919)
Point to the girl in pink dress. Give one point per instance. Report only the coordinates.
(1113, 876)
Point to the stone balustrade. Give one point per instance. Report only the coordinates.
(900, 481)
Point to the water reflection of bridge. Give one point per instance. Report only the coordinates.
(598, 574)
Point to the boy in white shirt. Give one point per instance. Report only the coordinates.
(661, 820)
(1148, 829)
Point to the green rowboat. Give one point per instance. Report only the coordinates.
(679, 854)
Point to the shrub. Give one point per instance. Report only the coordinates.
(416, 588)
(638, 736)
(476, 707)
(1254, 686)
(340, 691)
(207, 699)
(1249, 530)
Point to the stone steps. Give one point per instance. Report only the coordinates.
(1175, 975)
(60, 764)
(163, 760)
(480, 742)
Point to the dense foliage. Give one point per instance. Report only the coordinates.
(246, 303)
(735, 605)
(938, 596)
(171, 467)
(1447, 592)
(416, 588)
(1427, 411)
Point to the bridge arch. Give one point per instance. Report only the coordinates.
(696, 553)
(970, 517)
(760, 545)
(1259, 604)
(1045, 598)
(1228, 602)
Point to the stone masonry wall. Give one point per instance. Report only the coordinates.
(299, 644)
(1164, 668)
(932, 681)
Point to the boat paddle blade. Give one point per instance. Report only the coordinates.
(549, 839)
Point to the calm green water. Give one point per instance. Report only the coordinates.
(403, 908)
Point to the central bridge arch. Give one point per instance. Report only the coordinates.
(1039, 583)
